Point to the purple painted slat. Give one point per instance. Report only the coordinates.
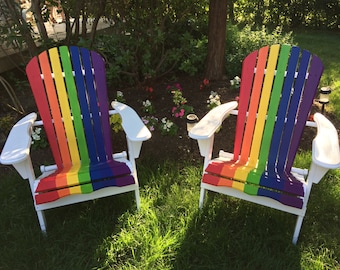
(100, 77)
(311, 86)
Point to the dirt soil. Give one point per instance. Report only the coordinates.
(179, 147)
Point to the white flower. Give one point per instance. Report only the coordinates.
(35, 137)
(146, 103)
(231, 82)
(120, 94)
(36, 134)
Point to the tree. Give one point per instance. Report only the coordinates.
(216, 39)
(14, 24)
(36, 8)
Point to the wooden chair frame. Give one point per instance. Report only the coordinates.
(325, 146)
(94, 173)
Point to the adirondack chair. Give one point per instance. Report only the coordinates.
(69, 87)
(278, 85)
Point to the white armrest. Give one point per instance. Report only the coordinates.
(135, 130)
(207, 126)
(132, 124)
(18, 143)
(325, 150)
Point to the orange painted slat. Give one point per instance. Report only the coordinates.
(254, 102)
(64, 106)
(54, 106)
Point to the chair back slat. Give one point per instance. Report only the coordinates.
(262, 109)
(38, 88)
(66, 111)
(292, 112)
(73, 111)
(247, 75)
(100, 78)
(253, 105)
(83, 101)
(284, 101)
(315, 71)
(69, 87)
(55, 110)
(274, 106)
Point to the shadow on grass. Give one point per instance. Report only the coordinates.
(233, 234)
(73, 234)
(169, 232)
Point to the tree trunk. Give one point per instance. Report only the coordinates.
(99, 12)
(216, 39)
(68, 28)
(36, 8)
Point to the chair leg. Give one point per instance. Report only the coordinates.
(137, 195)
(297, 229)
(42, 221)
(202, 196)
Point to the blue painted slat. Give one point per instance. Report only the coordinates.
(292, 110)
(77, 66)
(282, 111)
(93, 104)
(310, 89)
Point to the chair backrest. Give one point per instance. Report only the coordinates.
(279, 83)
(69, 87)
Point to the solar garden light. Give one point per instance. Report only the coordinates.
(324, 96)
(192, 120)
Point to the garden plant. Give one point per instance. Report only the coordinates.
(155, 54)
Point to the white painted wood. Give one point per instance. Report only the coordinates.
(325, 156)
(16, 152)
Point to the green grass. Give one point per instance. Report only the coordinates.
(327, 46)
(169, 232)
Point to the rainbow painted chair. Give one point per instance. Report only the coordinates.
(277, 89)
(69, 87)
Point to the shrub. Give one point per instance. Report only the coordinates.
(240, 42)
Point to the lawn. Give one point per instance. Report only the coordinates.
(327, 46)
(169, 232)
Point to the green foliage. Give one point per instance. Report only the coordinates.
(181, 108)
(167, 127)
(214, 100)
(16, 104)
(116, 123)
(241, 41)
(326, 45)
(135, 58)
(317, 14)
(6, 123)
(151, 122)
(120, 97)
(169, 232)
(194, 52)
(148, 107)
(151, 39)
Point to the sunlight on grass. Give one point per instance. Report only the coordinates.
(327, 46)
(169, 232)
(150, 238)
